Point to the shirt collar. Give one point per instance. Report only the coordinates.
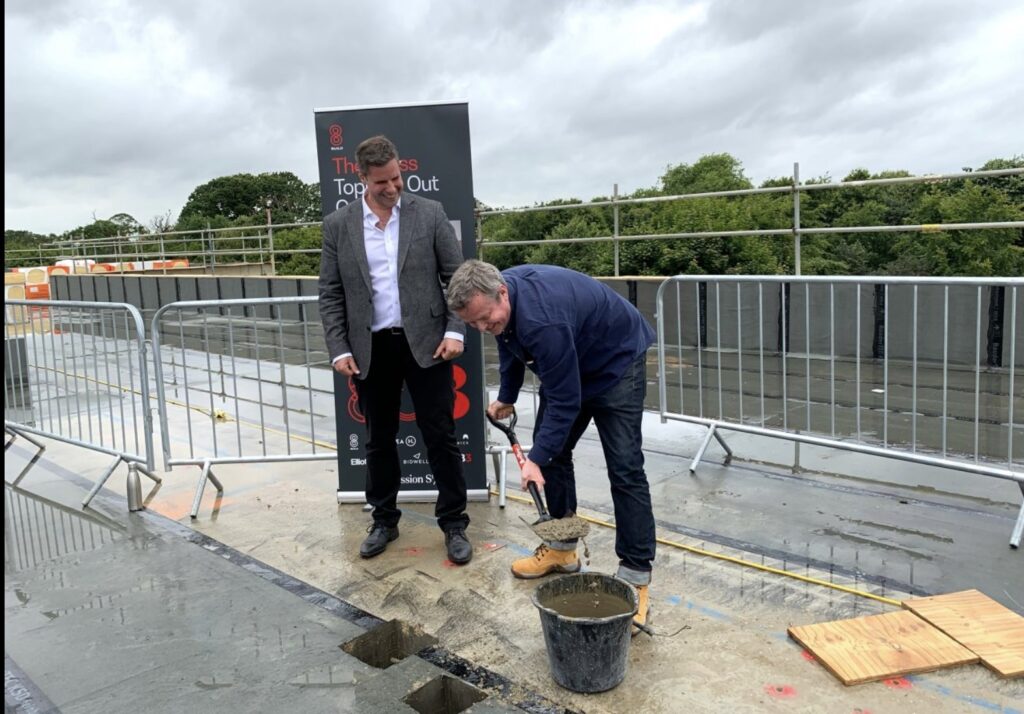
(510, 328)
(368, 212)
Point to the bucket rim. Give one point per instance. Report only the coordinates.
(634, 599)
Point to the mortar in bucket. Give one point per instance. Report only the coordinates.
(586, 620)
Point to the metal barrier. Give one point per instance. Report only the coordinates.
(77, 372)
(242, 371)
(890, 367)
(499, 459)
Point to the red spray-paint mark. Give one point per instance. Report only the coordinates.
(807, 656)
(779, 691)
(898, 683)
(413, 551)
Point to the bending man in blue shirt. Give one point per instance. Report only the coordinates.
(588, 347)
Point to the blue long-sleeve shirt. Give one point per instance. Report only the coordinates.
(576, 334)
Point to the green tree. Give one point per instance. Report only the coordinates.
(593, 258)
(246, 196)
(305, 238)
(126, 224)
(536, 225)
(96, 229)
(24, 239)
(976, 252)
(711, 172)
(25, 248)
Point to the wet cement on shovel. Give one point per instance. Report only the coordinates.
(561, 529)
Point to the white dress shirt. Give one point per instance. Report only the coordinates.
(382, 256)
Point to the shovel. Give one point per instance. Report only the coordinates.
(546, 527)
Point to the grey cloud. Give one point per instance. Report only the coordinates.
(565, 98)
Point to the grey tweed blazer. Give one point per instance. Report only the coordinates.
(428, 254)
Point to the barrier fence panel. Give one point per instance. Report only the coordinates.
(918, 369)
(77, 372)
(237, 381)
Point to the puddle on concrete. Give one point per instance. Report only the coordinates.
(444, 695)
(37, 531)
(389, 643)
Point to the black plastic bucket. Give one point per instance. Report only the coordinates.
(587, 654)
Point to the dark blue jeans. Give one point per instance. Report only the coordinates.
(618, 415)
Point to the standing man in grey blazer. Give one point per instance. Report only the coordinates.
(385, 261)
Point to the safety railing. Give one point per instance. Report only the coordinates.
(242, 384)
(77, 372)
(212, 246)
(917, 369)
(795, 189)
(167, 250)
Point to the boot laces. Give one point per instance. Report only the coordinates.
(541, 551)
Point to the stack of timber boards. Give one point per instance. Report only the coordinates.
(993, 632)
(930, 633)
(868, 649)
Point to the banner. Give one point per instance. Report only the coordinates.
(434, 155)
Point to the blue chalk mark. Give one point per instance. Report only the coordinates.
(702, 609)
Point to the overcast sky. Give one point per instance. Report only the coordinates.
(127, 106)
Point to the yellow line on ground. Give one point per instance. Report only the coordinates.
(226, 419)
(735, 560)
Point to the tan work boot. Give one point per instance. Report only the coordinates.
(545, 560)
(643, 607)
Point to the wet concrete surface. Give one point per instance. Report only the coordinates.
(201, 620)
(237, 608)
(106, 612)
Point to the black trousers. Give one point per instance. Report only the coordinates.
(433, 398)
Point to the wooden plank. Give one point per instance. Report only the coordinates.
(867, 649)
(993, 632)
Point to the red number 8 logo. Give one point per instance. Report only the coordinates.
(462, 403)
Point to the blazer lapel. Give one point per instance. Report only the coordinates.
(406, 229)
(358, 241)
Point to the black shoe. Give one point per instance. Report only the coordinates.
(377, 541)
(460, 550)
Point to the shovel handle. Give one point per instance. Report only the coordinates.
(517, 450)
(506, 429)
(509, 431)
(537, 500)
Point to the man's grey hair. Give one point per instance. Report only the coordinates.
(474, 277)
(375, 151)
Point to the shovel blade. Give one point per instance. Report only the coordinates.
(561, 529)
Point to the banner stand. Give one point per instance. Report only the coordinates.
(434, 155)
